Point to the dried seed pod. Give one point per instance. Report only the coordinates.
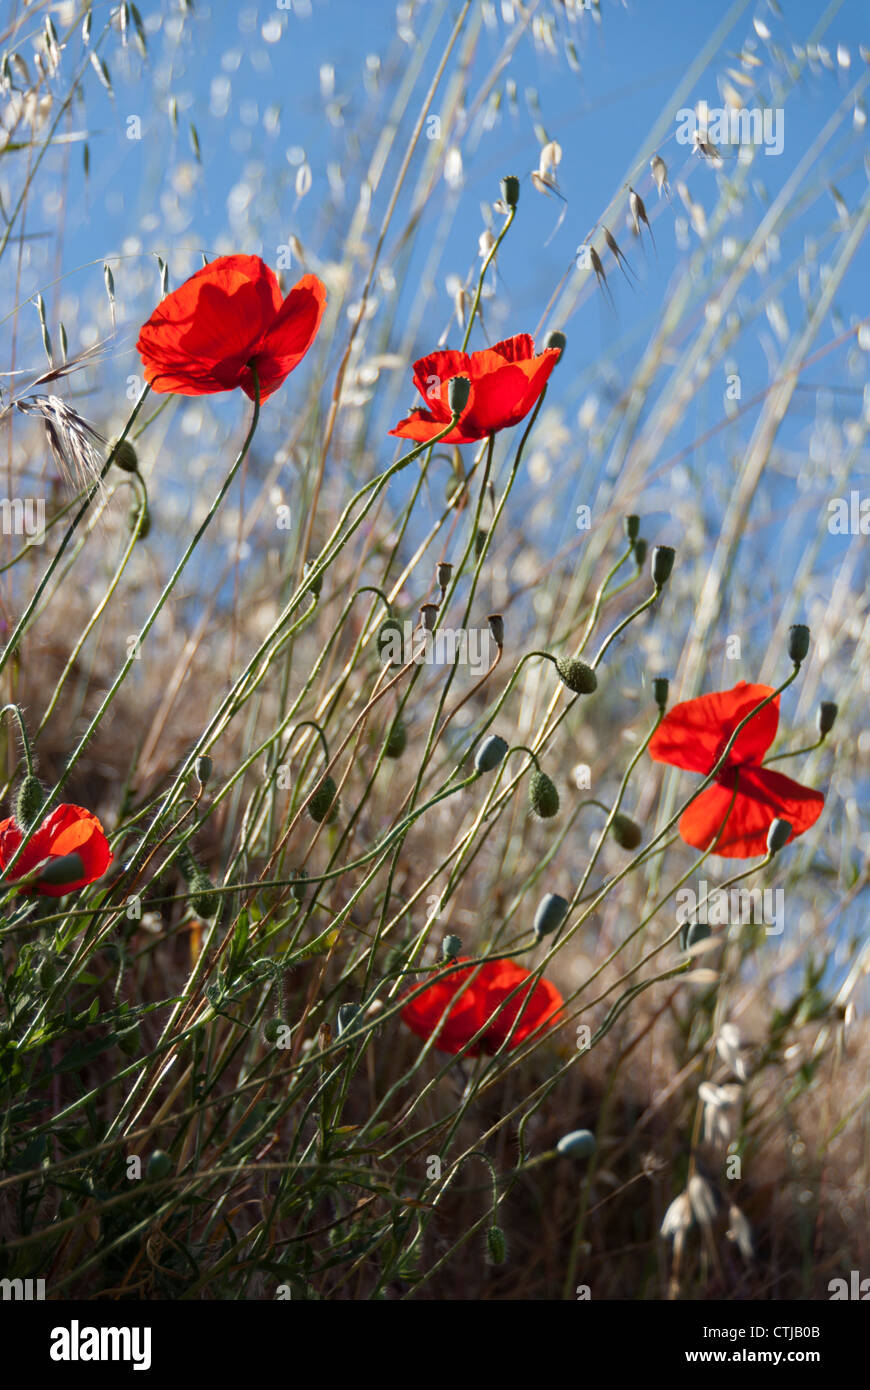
(798, 642)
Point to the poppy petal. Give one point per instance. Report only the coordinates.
(762, 797)
(290, 336)
(693, 734)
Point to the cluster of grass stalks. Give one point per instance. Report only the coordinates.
(207, 1088)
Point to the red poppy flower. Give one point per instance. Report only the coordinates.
(68, 830)
(476, 996)
(693, 735)
(506, 381)
(201, 338)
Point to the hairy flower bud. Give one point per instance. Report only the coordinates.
(496, 1245)
(159, 1166)
(826, 717)
(626, 832)
(61, 869)
(580, 1143)
(124, 455)
(389, 641)
(798, 642)
(778, 835)
(397, 739)
(324, 804)
(451, 947)
(662, 564)
(490, 753)
(551, 913)
(577, 675)
(556, 340)
(202, 769)
(496, 627)
(29, 801)
(543, 796)
(204, 900)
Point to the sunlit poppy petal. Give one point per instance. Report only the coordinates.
(68, 830)
(693, 734)
(453, 1008)
(762, 797)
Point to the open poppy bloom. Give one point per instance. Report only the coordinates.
(69, 830)
(456, 1006)
(694, 734)
(202, 337)
(506, 381)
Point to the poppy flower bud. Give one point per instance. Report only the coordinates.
(692, 933)
(661, 685)
(159, 1166)
(490, 753)
(124, 456)
(133, 520)
(458, 393)
(323, 805)
(345, 1017)
(202, 769)
(798, 642)
(632, 527)
(316, 584)
(577, 675)
(204, 900)
(556, 340)
(389, 640)
(626, 832)
(778, 835)
(580, 1143)
(29, 801)
(496, 627)
(451, 946)
(551, 913)
(662, 564)
(640, 549)
(272, 1029)
(397, 740)
(826, 717)
(496, 1245)
(61, 869)
(510, 190)
(429, 616)
(443, 571)
(543, 796)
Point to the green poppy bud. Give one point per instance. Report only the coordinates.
(826, 717)
(577, 675)
(543, 796)
(397, 739)
(510, 190)
(490, 753)
(798, 642)
(556, 340)
(271, 1029)
(778, 835)
(580, 1143)
(661, 686)
(458, 392)
(451, 947)
(202, 770)
(124, 456)
(662, 564)
(29, 801)
(496, 627)
(626, 832)
(204, 900)
(324, 804)
(159, 1166)
(133, 520)
(632, 527)
(551, 913)
(345, 1017)
(390, 640)
(640, 549)
(692, 933)
(496, 1245)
